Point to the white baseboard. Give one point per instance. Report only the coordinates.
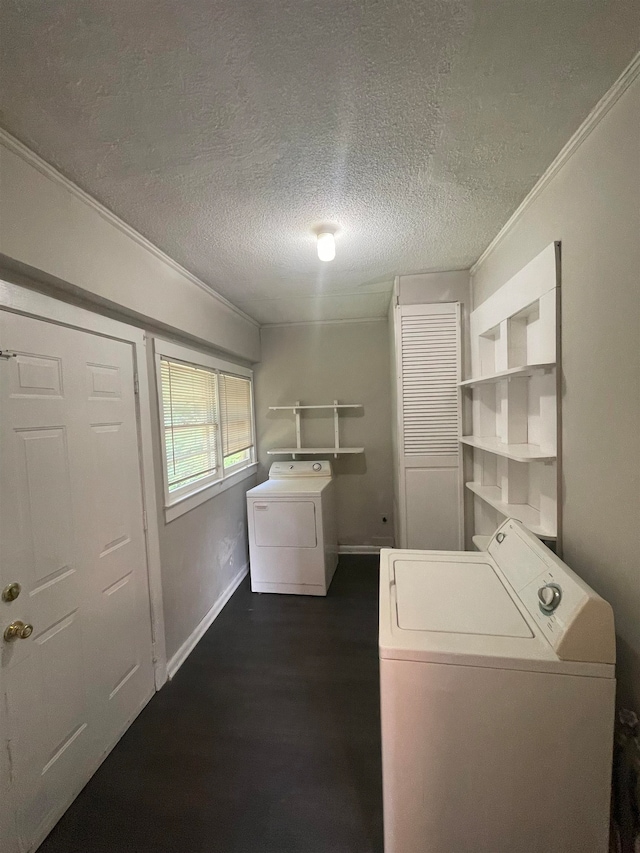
(174, 664)
(359, 549)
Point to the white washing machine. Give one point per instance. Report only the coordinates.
(293, 545)
(497, 692)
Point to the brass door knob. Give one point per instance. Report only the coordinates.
(11, 592)
(17, 631)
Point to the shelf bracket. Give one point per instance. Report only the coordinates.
(336, 431)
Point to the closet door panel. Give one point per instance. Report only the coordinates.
(433, 508)
(429, 361)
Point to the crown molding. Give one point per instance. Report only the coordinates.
(323, 322)
(588, 125)
(12, 144)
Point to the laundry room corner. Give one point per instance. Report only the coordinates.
(317, 363)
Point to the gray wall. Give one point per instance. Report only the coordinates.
(593, 206)
(317, 363)
(55, 231)
(49, 225)
(201, 552)
(449, 286)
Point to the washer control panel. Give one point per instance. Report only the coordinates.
(576, 621)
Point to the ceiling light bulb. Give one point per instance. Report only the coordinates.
(326, 246)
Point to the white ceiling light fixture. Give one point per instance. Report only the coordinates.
(326, 246)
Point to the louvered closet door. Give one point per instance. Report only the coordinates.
(429, 409)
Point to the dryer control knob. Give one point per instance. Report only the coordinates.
(317, 466)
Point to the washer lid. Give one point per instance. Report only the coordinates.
(460, 607)
(458, 598)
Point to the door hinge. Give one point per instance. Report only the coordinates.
(136, 384)
(6, 354)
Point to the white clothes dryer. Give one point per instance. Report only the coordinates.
(293, 544)
(497, 701)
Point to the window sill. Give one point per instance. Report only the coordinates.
(190, 502)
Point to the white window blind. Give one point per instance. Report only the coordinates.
(237, 432)
(190, 407)
(430, 372)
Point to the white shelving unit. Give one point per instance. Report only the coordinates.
(517, 452)
(512, 373)
(299, 450)
(525, 513)
(514, 448)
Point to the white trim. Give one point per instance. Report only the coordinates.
(38, 305)
(191, 642)
(193, 356)
(588, 125)
(323, 322)
(152, 534)
(180, 502)
(189, 502)
(46, 169)
(360, 549)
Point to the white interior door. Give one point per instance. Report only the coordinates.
(72, 537)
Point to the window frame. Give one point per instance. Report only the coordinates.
(194, 494)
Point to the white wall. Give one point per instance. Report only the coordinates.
(593, 206)
(317, 363)
(54, 232)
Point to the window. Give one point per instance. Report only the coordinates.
(237, 439)
(206, 416)
(190, 407)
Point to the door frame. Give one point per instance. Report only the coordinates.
(30, 303)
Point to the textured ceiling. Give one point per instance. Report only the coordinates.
(226, 130)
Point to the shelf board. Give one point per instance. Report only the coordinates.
(481, 542)
(513, 372)
(313, 450)
(529, 516)
(518, 452)
(327, 406)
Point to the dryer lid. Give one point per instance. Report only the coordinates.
(458, 598)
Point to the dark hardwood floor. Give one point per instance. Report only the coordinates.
(266, 741)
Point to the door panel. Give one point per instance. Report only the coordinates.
(433, 508)
(428, 354)
(285, 524)
(115, 509)
(72, 535)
